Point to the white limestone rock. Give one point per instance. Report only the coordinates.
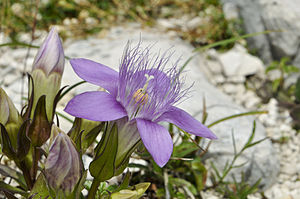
(276, 15)
(237, 62)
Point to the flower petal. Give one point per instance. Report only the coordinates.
(96, 73)
(186, 122)
(96, 106)
(157, 140)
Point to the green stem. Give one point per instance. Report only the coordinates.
(26, 174)
(237, 115)
(94, 188)
(36, 157)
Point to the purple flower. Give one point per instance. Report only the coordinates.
(144, 91)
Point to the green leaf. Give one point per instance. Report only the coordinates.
(70, 88)
(297, 90)
(85, 131)
(11, 189)
(102, 167)
(125, 182)
(295, 113)
(200, 173)
(235, 116)
(40, 128)
(90, 136)
(56, 100)
(183, 183)
(184, 149)
(27, 113)
(290, 69)
(271, 67)
(252, 134)
(9, 172)
(40, 188)
(275, 85)
(6, 145)
(134, 192)
(221, 43)
(23, 143)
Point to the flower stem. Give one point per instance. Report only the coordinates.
(26, 173)
(36, 158)
(94, 188)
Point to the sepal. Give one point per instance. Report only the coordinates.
(40, 128)
(84, 132)
(6, 144)
(103, 166)
(134, 192)
(114, 150)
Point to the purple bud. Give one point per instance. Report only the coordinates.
(50, 57)
(47, 72)
(63, 166)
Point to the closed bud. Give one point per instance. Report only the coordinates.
(8, 111)
(50, 57)
(63, 166)
(48, 67)
(9, 117)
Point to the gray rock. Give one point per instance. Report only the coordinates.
(237, 62)
(194, 23)
(277, 15)
(261, 160)
(230, 10)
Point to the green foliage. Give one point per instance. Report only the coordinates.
(40, 188)
(238, 190)
(186, 174)
(79, 18)
(285, 70)
(288, 96)
(297, 90)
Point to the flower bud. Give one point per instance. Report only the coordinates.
(9, 116)
(47, 71)
(50, 57)
(63, 166)
(8, 111)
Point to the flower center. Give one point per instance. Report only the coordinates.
(141, 96)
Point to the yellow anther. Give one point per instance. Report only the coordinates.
(140, 96)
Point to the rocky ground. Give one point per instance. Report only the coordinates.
(214, 74)
(228, 72)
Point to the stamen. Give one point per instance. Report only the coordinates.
(141, 96)
(148, 78)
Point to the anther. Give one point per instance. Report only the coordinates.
(141, 96)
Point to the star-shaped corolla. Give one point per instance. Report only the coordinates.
(145, 92)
